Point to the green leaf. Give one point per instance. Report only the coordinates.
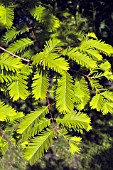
(73, 144)
(19, 45)
(50, 58)
(35, 150)
(18, 88)
(81, 93)
(107, 108)
(53, 45)
(6, 16)
(13, 32)
(65, 93)
(76, 121)
(41, 14)
(98, 45)
(97, 102)
(40, 86)
(95, 85)
(81, 58)
(108, 75)
(4, 77)
(105, 66)
(30, 124)
(16, 117)
(95, 54)
(10, 63)
(108, 95)
(6, 112)
(92, 35)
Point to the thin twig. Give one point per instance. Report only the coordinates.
(49, 107)
(5, 137)
(14, 55)
(78, 72)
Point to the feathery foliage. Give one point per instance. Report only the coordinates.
(41, 14)
(40, 86)
(12, 33)
(64, 94)
(59, 70)
(36, 149)
(76, 121)
(9, 63)
(28, 127)
(8, 113)
(6, 16)
(19, 45)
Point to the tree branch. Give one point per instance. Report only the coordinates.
(5, 137)
(78, 72)
(14, 55)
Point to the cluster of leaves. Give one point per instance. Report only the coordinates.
(63, 75)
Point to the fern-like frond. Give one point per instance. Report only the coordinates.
(92, 35)
(81, 92)
(10, 63)
(13, 32)
(6, 16)
(38, 13)
(97, 102)
(18, 116)
(31, 123)
(27, 54)
(105, 66)
(94, 53)
(41, 14)
(18, 88)
(76, 121)
(6, 112)
(20, 45)
(108, 75)
(40, 86)
(98, 45)
(103, 102)
(58, 64)
(52, 61)
(108, 95)
(95, 74)
(4, 77)
(73, 144)
(53, 23)
(81, 58)
(35, 150)
(107, 107)
(95, 85)
(53, 45)
(49, 58)
(65, 93)
(42, 124)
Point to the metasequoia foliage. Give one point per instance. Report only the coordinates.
(66, 75)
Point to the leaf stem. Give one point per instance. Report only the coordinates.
(14, 55)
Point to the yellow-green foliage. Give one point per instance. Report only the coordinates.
(68, 75)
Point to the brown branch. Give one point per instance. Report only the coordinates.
(5, 137)
(14, 55)
(78, 72)
(59, 51)
(49, 107)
